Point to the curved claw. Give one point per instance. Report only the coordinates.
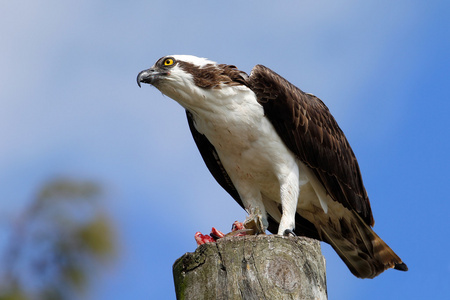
(288, 232)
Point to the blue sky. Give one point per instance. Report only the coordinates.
(70, 106)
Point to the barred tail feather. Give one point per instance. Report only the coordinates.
(362, 250)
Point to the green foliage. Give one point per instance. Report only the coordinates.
(13, 294)
(57, 243)
(97, 237)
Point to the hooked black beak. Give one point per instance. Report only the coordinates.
(149, 76)
(145, 76)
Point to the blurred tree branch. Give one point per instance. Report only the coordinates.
(56, 243)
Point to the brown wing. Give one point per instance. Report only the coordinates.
(309, 130)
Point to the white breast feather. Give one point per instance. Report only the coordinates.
(251, 151)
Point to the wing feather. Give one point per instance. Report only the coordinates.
(308, 129)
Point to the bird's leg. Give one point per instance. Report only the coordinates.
(252, 199)
(289, 191)
(255, 221)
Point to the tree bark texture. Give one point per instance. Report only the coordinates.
(252, 267)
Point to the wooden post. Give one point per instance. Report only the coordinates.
(252, 267)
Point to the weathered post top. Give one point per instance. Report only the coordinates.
(252, 267)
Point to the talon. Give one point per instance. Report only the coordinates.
(255, 222)
(288, 232)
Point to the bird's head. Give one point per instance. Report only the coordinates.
(187, 78)
(176, 76)
(173, 68)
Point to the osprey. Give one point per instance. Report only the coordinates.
(278, 151)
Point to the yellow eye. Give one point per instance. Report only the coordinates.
(168, 62)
